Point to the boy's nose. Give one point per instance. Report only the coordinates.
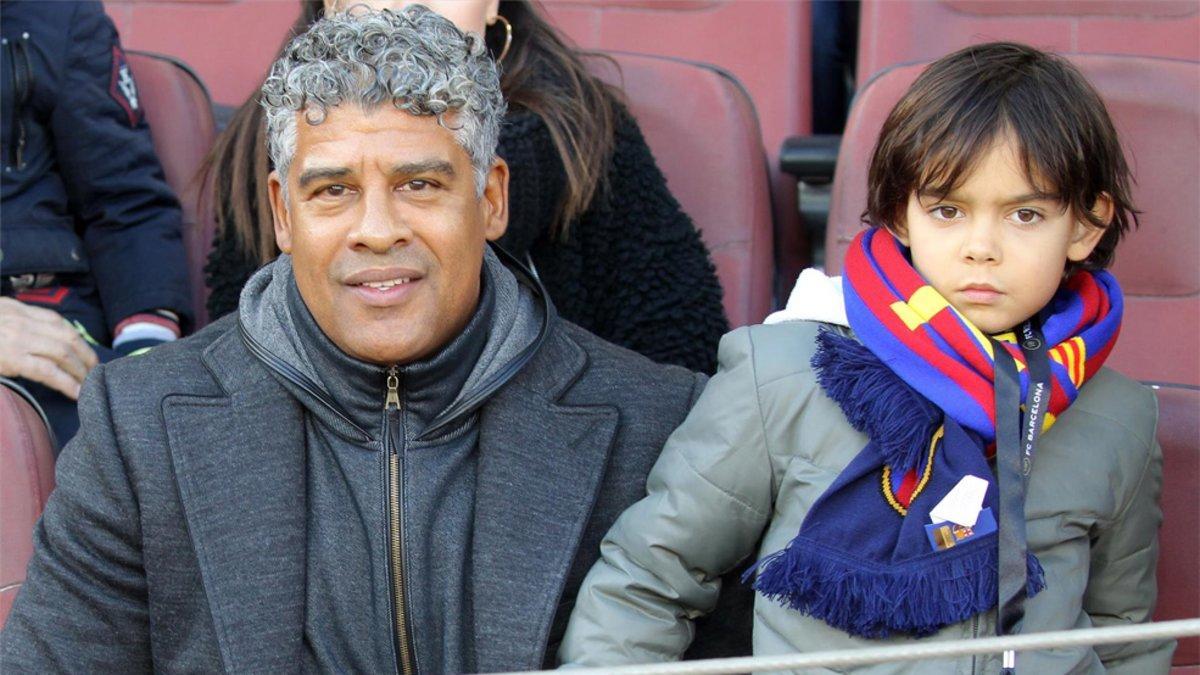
(981, 244)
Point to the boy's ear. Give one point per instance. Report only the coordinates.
(1086, 236)
(899, 230)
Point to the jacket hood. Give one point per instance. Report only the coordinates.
(816, 297)
(509, 325)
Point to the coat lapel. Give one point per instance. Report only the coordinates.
(540, 465)
(239, 464)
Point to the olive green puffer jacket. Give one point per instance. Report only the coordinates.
(764, 442)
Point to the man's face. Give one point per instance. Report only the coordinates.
(996, 247)
(386, 230)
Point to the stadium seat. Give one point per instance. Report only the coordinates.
(26, 479)
(899, 31)
(179, 112)
(702, 128)
(774, 66)
(1179, 547)
(1155, 104)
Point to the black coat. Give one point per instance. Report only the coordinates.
(633, 270)
(82, 190)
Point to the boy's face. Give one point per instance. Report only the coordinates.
(995, 247)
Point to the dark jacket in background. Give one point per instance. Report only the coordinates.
(633, 269)
(82, 190)
(177, 536)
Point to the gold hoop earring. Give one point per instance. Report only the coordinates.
(507, 38)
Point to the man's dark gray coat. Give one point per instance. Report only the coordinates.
(175, 539)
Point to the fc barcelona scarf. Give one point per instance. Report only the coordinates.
(919, 383)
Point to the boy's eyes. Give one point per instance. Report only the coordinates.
(1026, 216)
(1020, 216)
(945, 212)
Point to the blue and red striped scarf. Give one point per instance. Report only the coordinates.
(918, 381)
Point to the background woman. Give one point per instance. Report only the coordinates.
(587, 201)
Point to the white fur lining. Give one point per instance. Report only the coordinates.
(815, 297)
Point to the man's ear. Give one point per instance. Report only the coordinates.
(1085, 235)
(495, 198)
(493, 9)
(279, 213)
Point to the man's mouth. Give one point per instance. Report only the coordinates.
(383, 285)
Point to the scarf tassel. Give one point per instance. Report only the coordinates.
(875, 400)
(915, 599)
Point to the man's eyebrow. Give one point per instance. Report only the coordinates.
(424, 166)
(321, 173)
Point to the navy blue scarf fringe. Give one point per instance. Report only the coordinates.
(892, 414)
(915, 599)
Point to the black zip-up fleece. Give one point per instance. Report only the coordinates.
(351, 627)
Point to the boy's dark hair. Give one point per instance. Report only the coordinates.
(963, 102)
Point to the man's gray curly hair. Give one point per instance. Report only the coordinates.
(415, 59)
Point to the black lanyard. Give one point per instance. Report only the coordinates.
(1016, 441)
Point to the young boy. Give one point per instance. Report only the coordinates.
(882, 458)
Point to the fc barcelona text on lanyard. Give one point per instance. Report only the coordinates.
(1016, 442)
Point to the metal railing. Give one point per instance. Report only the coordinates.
(915, 651)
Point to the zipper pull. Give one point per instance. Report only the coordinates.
(393, 390)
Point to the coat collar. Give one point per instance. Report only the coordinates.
(541, 461)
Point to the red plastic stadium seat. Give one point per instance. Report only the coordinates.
(1179, 547)
(703, 130)
(26, 479)
(1155, 104)
(899, 31)
(179, 113)
(765, 44)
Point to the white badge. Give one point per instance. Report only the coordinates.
(961, 505)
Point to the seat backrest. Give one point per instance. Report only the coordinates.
(1155, 104)
(179, 112)
(765, 44)
(26, 479)
(898, 31)
(1179, 547)
(703, 130)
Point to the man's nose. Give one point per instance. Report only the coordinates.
(982, 243)
(382, 223)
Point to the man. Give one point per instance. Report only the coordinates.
(91, 256)
(395, 456)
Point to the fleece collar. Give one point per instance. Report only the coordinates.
(816, 297)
